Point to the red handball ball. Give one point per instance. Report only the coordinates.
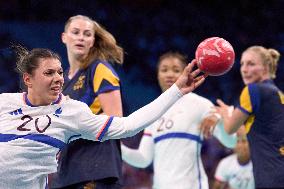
(215, 56)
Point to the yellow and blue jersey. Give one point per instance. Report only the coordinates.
(87, 84)
(85, 160)
(264, 103)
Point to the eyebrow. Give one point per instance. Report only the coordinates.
(76, 28)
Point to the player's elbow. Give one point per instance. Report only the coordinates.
(140, 162)
(144, 163)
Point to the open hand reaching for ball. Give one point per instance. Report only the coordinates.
(189, 80)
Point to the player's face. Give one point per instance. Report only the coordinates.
(252, 68)
(242, 147)
(45, 84)
(79, 37)
(168, 72)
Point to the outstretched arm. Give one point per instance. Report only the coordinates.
(143, 117)
(115, 127)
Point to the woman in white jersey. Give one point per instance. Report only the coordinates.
(174, 142)
(235, 170)
(36, 124)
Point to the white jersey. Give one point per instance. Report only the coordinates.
(175, 141)
(30, 137)
(237, 176)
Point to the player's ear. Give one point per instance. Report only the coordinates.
(266, 69)
(27, 80)
(63, 37)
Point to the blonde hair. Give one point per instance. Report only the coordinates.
(105, 46)
(269, 57)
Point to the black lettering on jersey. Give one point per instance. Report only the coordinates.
(22, 126)
(27, 119)
(42, 130)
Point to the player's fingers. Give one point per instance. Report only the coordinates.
(206, 128)
(211, 130)
(202, 127)
(193, 62)
(219, 110)
(220, 102)
(205, 131)
(195, 72)
(190, 66)
(199, 80)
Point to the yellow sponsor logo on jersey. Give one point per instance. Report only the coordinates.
(281, 95)
(281, 150)
(79, 84)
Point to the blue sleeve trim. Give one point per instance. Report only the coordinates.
(243, 110)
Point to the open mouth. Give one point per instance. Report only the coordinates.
(56, 89)
(80, 46)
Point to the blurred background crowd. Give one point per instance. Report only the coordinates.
(146, 29)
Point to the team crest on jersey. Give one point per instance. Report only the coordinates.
(57, 112)
(80, 83)
(16, 112)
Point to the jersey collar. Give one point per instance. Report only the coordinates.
(26, 100)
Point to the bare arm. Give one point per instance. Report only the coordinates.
(231, 122)
(111, 103)
(143, 117)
